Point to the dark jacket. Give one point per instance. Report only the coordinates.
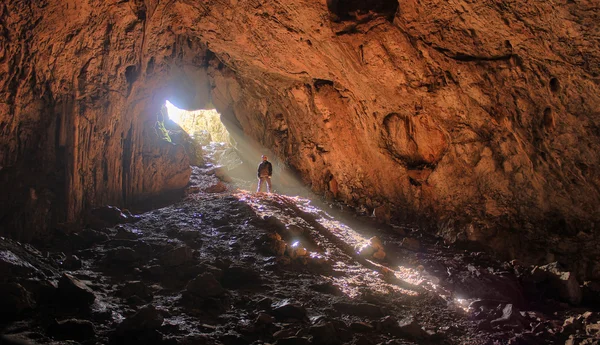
(265, 168)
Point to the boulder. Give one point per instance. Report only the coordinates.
(215, 271)
(42, 290)
(74, 292)
(271, 243)
(177, 257)
(387, 323)
(277, 247)
(296, 250)
(87, 238)
(324, 333)
(373, 248)
(146, 319)
(510, 316)
(205, 285)
(14, 300)
(560, 280)
(264, 303)
(72, 329)
(12, 265)
(140, 328)
(264, 319)
(287, 309)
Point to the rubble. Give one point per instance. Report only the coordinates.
(214, 269)
(373, 248)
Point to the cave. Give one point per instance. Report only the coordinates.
(430, 184)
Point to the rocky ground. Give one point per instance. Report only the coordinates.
(226, 266)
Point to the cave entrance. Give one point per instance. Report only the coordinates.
(209, 141)
(203, 124)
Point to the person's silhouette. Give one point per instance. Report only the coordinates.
(265, 171)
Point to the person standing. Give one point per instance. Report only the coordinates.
(265, 171)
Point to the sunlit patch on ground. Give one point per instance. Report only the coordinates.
(356, 277)
(409, 275)
(462, 304)
(376, 277)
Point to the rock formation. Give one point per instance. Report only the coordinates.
(482, 118)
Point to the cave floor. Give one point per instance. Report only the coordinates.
(233, 267)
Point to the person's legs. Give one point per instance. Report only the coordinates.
(260, 182)
(268, 180)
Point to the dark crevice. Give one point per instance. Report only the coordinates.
(150, 66)
(140, 10)
(350, 29)
(319, 83)
(126, 163)
(345, 10)
(414, 182)
(554, 85)
(107, 35)
(131, 75)
(105, 170)
(471, 58)
(548, 119)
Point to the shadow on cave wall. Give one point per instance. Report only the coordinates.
(346, 10)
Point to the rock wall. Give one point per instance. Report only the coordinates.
(481, 117)
(78, 103)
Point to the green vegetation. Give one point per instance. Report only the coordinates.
(161, 131)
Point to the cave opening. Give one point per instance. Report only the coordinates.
(215, 143)
(201, 131)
